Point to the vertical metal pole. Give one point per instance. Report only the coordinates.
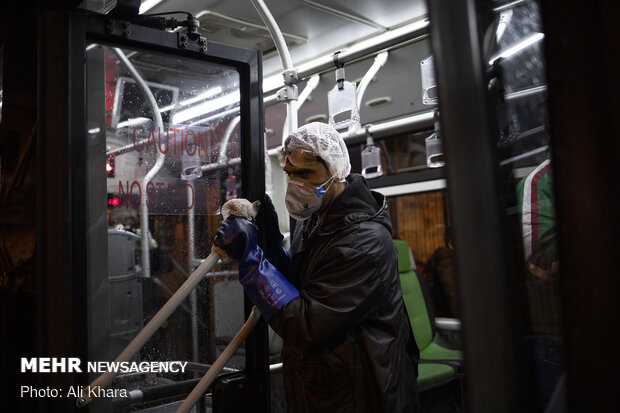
(287, 62)
(144, 209)
(191, 256)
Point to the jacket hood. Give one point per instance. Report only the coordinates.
(356, 204)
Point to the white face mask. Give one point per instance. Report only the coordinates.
(304, 198)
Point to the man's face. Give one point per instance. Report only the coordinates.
(302, 164)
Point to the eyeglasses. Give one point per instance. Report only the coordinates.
(294, 156)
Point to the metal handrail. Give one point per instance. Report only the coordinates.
(147, 332)
(287, 62)
(392, 39)
(159, 162)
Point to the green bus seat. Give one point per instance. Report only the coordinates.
(438, 365)
(431, 375)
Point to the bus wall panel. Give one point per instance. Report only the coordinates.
(419, 220)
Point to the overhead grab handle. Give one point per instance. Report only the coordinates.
(371, 158)
(429, 83)
(339, 69)
(342, 101)
(371, 155)
(434, 148)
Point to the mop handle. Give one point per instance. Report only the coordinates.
(147, 332)
(221, 361)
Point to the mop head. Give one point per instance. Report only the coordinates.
(239, 207)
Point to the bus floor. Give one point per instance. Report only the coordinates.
(444, 399)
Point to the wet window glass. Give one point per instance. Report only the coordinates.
(170, 128)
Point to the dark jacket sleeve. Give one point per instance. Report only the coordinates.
(344, 286)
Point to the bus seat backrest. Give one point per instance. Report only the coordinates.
(121, 252)
(413, 296)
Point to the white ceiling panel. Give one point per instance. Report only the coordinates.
(311, 27)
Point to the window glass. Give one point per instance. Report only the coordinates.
(517, 59)
(170, 128)
(422, 221)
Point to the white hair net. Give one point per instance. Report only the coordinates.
(324, 141)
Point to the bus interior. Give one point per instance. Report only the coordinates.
(124, 127)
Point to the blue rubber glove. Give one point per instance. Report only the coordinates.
(269, 231)
(268, 289)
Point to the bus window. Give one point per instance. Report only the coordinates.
(421, 220)
(499, 171)
(525, 159)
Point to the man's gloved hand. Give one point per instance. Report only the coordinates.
(236, 236)
(268, 289)
(269, 230)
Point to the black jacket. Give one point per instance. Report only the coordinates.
(348, 345)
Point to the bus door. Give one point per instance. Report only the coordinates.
(160, 129)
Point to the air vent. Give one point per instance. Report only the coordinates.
(373, 103)
(236, 32)
(321, 117)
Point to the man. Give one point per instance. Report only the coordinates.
(348, 345)
(538, 221)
